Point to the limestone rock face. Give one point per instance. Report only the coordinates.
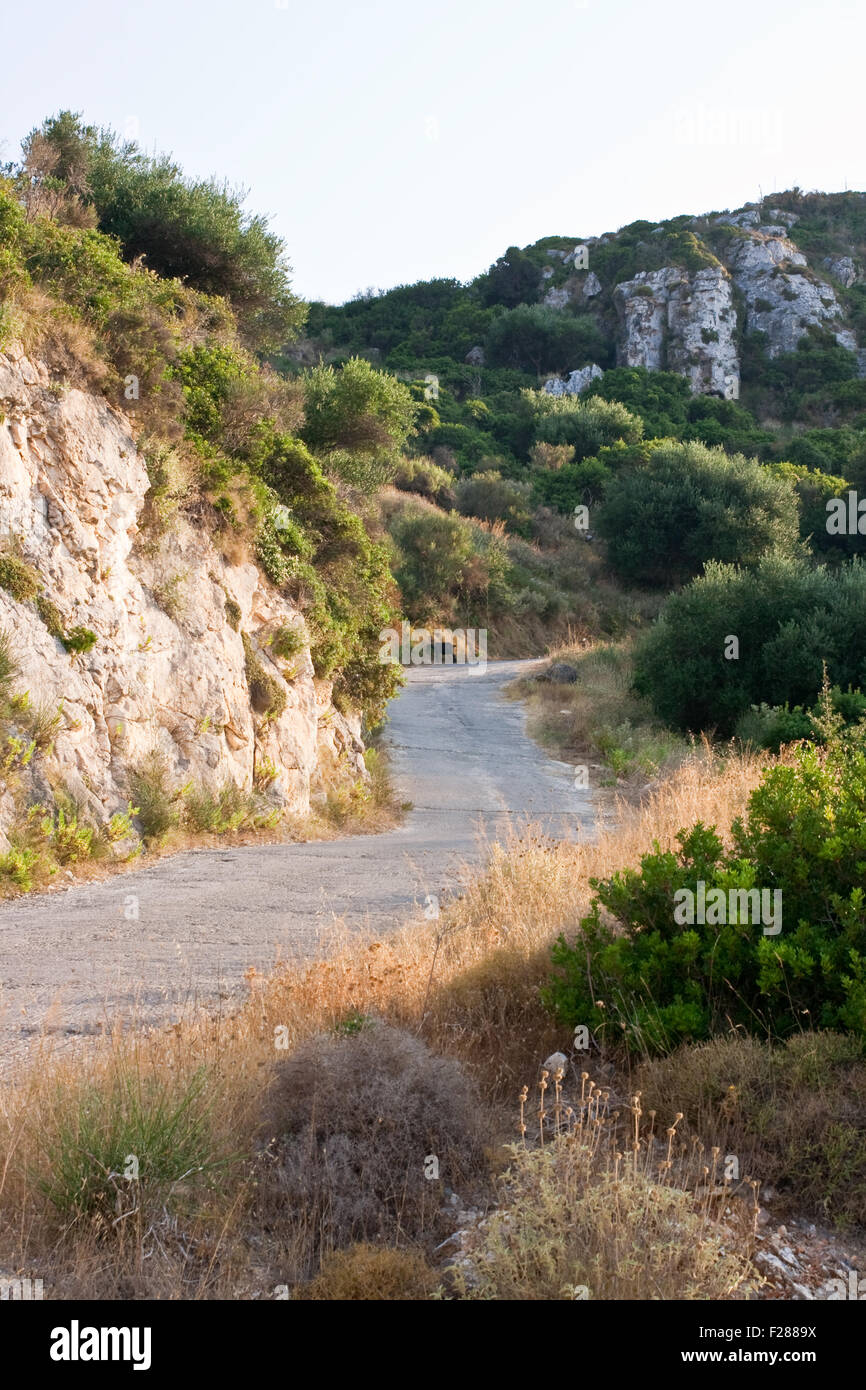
(674, 320)
(574, 383)
(557, 298)
(783, 297)
(72, 492)
(842, 268)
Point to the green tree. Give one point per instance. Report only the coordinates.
(533, 337)
(356, 408)
(513, 279)
(788, 618)
(689, 504)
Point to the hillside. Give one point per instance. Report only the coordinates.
(760, 311)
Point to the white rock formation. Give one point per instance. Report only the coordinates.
(72, 489)
(842, 268)
(673, 320)
(783, 297)
(574, 383)
(557, 298)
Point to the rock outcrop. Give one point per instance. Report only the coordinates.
(574, 383)
(677, 321)
(784, 298)
(178, 627)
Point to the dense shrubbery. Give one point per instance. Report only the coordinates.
(772, 726)
(688, 504)
(534, 338)
(639, 977)
(788, 619)
(357, 409)
(491, 497)
(194, 231)
(586, 425)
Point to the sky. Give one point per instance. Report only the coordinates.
(390, 142)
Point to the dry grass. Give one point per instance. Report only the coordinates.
(598, 720)
(467, 984)
(795, 1114)
(609, 1206)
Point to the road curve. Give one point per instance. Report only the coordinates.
(71, 961)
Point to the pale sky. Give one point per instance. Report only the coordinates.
(391, 142)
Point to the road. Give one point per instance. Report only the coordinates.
(145, 945)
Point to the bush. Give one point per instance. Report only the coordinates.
(190, 230)
(356, 408)
(534, 338)
(448, 566)
(79, 640)
(772, 726)
(267, 695)
(689, 504)
(287, 642)
(788, 618)
(366, 1273)
(423, 476)
(18, 578)
(587, 425)
(350, 1121)
(638, 976)
(513, 279)
(491, 497)
(577, 1219)
(157, 802)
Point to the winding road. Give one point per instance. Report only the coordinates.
(147, 944)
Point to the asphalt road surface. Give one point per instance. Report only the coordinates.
(148, 945)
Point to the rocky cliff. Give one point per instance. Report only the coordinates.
(176, 651)
(740, 273)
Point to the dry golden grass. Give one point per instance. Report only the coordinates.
(468, 984)
(608, 1204)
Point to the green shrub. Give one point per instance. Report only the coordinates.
(689, 504)
(157, 801)
(423, 476)
(788, 617)
(162, 1122)
(638, 976)
(587, 425)
(287, 642)
(267, 696)
(79, 640)
(18, 578)
(50, 615)
(491, 497)
(190, 230)
(356, 408)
